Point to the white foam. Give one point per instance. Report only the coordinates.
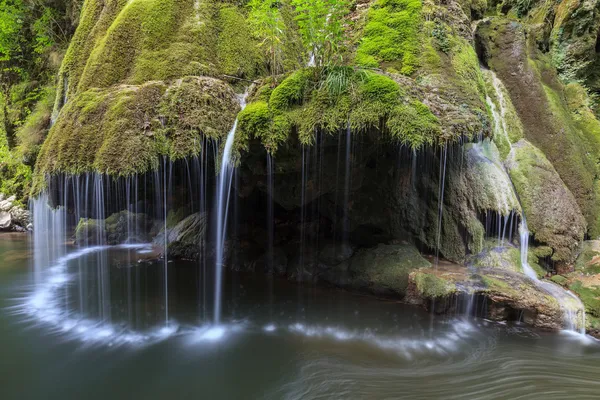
(46, 304)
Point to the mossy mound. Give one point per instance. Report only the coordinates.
(553, 215)
(332, 101)
(390, 38)
(132, 42)
(126, 130)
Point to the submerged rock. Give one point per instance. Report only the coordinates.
(383, 269)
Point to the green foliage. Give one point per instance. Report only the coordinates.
(321, 26)
(268, 26)
(391, 36)
(12, 19)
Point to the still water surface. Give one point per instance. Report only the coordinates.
(104, 335)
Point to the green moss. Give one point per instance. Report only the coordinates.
(391, 36)
(546, 201)
(128, 129)
(508, 258)
(32, 133)
(588, 260)
(333, 100)
(590, 296)
(292, 90)
(432, 286)
(559, 279)
(495, 284)
(236, 50)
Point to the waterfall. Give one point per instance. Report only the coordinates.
(222, 202)
(566, 299)
(569, 303)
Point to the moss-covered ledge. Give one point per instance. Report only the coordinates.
(331, 101)
(124, 130)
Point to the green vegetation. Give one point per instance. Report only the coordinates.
(432, 286)
(320, 23)
(33, 36)
(332, 100)
(390, 39)
(269, 28)
(128, 129)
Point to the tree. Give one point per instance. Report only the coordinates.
(268, 26)
(322, 29)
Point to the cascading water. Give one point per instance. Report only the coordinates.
(222, 202)
(571, 305)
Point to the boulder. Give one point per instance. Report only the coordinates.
(508, 295)
(90, 232)
(184, 240)
(382, 270)
(5, 220)
(7, 205)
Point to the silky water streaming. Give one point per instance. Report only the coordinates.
(222, 201)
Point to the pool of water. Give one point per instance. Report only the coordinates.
(104, 324)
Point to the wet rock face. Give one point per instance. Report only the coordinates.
(507, 48)
(553, 215)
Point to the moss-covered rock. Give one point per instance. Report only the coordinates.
(498, 257)
(553, 215)
(383, 269)
(90, 232)
(126, 130)
(540, 101)
(119, 228)
(573, 41)
(509, 295)
(333, 100)
(390, 38)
